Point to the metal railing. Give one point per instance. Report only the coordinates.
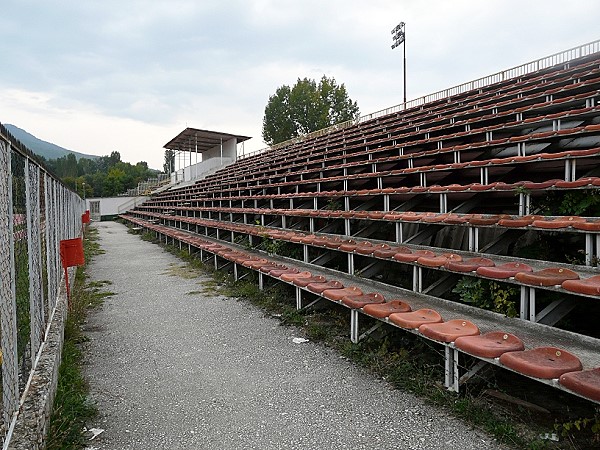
(524, 69)
(37, 212)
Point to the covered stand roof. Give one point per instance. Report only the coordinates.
(195, 140)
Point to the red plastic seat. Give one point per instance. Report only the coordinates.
(434, 217)
(308, 239)
(454, 219)
(541, 185)
(360, 300)
(484, 219)
(469, 265)
(558, 222)
(438, 261)
(257, 263)
(589, 225)
(589, 286)
(381, 310)
(266, 268)
(490, 345)
(319, 287)
(289, 277)
(333, 242)
(411, 216)
(348, 245)
(547, 277)
(504, 271)
(542, 362)
(576, 183)
(517, 221)
(337, 294)
(277, 273)
(406, 255)
(415, 319)
(585, 383)
(449, 331)
(384, 251)
(364, 248)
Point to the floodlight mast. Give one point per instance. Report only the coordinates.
(399, 37)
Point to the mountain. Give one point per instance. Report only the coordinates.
(43, 148)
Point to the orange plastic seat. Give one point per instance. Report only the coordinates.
(305, 281)
(449, 331)
(337, 294)
(415, 319)
(381, 310)
(469, 265)
(547, 277)
(360, 300)
(589, 286)
(320, 287)
(489, 345)
(542, 362)
(589, 225)
(585, 383)
(289, 277)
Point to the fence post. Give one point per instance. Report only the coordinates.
(8, 310)
(34, 250)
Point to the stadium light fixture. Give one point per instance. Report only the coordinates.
(399, 37)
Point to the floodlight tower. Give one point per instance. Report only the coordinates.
(399, 37)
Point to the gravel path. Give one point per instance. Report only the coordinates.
(172, 367)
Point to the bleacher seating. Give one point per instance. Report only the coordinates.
(436, 193)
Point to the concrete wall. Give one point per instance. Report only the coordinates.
(29, 432)
(112, 206)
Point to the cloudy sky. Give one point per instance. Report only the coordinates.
(128, 75)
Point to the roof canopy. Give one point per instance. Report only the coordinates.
(195, 140)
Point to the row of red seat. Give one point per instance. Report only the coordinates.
(584, 224)
(484, 266)
(541, 362)
(471, 188)
(268, 179)
(327, 175)
(382, 124)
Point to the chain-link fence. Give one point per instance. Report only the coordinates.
(37, 212)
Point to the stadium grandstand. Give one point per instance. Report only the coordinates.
(394, 215)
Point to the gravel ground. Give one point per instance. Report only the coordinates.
(172, 367)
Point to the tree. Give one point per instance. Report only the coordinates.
(169, 164)
(306, 107)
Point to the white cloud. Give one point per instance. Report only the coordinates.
(100, 76)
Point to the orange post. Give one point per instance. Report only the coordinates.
(71, 254)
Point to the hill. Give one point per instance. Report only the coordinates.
(43, 148)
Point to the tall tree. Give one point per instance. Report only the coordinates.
(306, 107)
(169, 164)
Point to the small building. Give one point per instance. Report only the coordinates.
(108, 208)
(199, 153)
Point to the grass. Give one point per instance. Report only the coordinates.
(72, 408)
